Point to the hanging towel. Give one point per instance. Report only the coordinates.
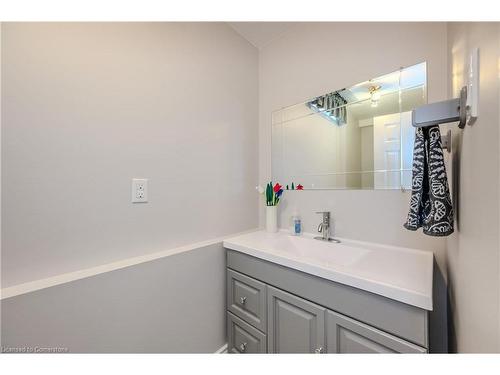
(430, 204)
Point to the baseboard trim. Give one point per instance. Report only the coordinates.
(222, 349)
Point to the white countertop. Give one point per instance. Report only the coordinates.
(398, 273)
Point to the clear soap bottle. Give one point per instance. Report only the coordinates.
(296, 228)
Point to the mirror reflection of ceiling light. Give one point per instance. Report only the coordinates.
(374, 95)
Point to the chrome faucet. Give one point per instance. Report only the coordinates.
(324, 228)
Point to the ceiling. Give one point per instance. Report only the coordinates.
(260, 33)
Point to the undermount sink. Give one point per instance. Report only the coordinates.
(398, 273)
(310, 250)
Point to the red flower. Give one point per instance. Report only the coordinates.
(277, 187)
(300, 187)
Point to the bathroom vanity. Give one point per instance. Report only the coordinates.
(288, 294)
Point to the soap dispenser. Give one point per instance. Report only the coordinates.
(296, 228)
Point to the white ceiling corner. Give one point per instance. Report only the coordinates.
(260, 33)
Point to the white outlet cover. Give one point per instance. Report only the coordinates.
(139, 190)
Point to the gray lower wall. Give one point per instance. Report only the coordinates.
(171, 305)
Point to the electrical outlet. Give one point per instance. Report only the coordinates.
(139, 190)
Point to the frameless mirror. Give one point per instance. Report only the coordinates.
(359, 137)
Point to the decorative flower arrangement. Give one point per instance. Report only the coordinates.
(273, 193)
(299, 187)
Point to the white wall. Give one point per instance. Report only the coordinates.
(0, 170)
(473, 252)
(89, 106)
(311, 59)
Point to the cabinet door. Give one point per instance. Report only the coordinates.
(294, 324)
(346, 335)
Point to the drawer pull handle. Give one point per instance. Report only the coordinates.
(243, 300)
(243, 347)
(320, 350)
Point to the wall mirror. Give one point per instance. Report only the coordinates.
(358, 137)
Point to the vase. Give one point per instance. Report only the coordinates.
(272, 219)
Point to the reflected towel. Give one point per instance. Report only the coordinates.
(430, 204)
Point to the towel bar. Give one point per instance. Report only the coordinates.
(442, 112)
(463, 109)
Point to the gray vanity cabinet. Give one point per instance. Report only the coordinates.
(295, 325)
(346, 335)
(275, 309)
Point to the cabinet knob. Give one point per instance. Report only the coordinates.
(243, 347)
(320, 350)
(243, 300)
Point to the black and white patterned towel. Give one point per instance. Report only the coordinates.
(430, 204)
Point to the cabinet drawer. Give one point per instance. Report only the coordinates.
(346, 335)
(246, 298)
(243, 338)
